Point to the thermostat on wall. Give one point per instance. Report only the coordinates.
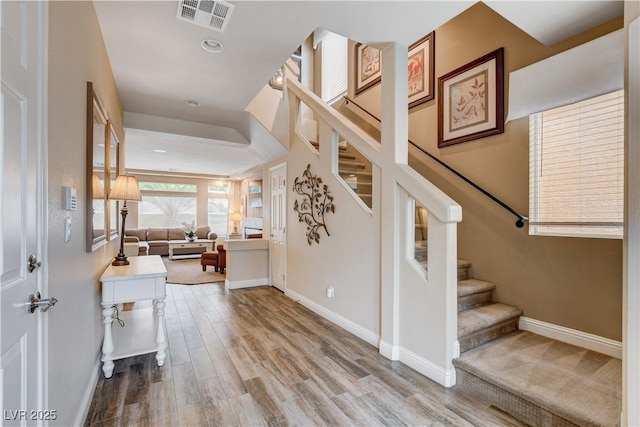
(70, 199)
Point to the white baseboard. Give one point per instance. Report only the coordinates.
(83, 408)
(391, 352)
(357, 330)
(445, 377)
(572, 336)
(238, 284)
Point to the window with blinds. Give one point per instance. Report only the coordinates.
(334, 51)
(576, 169)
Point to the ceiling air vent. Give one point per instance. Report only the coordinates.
(206, 13)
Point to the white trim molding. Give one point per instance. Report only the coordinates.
(349, 325)
(445, 377)
(391, 352)
(572, 336)
(238, 284)
(83, 408)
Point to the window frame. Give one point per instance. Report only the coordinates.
(538, 226)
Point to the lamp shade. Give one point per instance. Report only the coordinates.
(236, 216)
(97, 188)
(125, 188)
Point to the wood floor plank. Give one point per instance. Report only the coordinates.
(111, 401)
(246, 368)
(234, 386)
(162, 404)
(138, 384)
(323, 407)
(271, 412)
(202, 364)
(135, 414)
(357, 416)
(214, 346)
(186, 385)
(246, 410)
(179, 350)
(193, 415)
(296, 414)
(322, 377)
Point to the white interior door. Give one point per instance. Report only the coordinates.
(278, 246)
(23, 109)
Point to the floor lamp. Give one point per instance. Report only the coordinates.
(125, 188)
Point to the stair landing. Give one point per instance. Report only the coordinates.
(543, 381)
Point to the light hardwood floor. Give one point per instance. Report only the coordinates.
(253, 357)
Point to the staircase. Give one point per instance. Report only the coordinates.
(480, 320)
(536, 379)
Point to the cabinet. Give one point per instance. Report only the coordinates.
(143, 331)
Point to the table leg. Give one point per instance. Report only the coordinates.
(170, 252)
(107, 344)
(161, 344)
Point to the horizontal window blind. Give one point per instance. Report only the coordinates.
(576, 168)
(334, 50)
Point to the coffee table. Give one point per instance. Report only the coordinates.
(200, 243)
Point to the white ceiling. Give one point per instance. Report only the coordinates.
(158, 63)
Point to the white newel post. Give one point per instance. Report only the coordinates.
(394, 136)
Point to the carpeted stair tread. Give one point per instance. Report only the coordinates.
(479, 318)
(473, 286)
(579, 385)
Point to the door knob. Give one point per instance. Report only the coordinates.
(33, 263)
(34, 302)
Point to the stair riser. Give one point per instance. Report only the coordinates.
(463, 273)
(477, 338)
(468, 302)
(519, 408)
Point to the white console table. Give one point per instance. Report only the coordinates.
(143, 332)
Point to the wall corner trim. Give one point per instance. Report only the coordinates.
(83, 407)
(389, 351)
(357, 330)
(572, 336)
(443, 376)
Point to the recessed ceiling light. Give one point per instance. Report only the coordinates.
(192, 103)
(160, 151)
(211, 45)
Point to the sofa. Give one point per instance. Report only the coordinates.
(155, 240)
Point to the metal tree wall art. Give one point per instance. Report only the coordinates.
(315, 202)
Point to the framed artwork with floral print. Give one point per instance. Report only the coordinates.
(471, 101)
(421, 70)
(368, 67)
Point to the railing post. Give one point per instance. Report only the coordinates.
(394, 133)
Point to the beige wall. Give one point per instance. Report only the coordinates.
(76, 55)
(572, 282)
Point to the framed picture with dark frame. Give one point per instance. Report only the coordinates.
(368, 67)
(422, 82)
(471, 100)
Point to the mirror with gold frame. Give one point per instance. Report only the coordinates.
(97, 172)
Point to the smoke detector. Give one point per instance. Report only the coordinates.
(205, 13)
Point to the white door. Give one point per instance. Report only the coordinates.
(23, 111)
(278, 246)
